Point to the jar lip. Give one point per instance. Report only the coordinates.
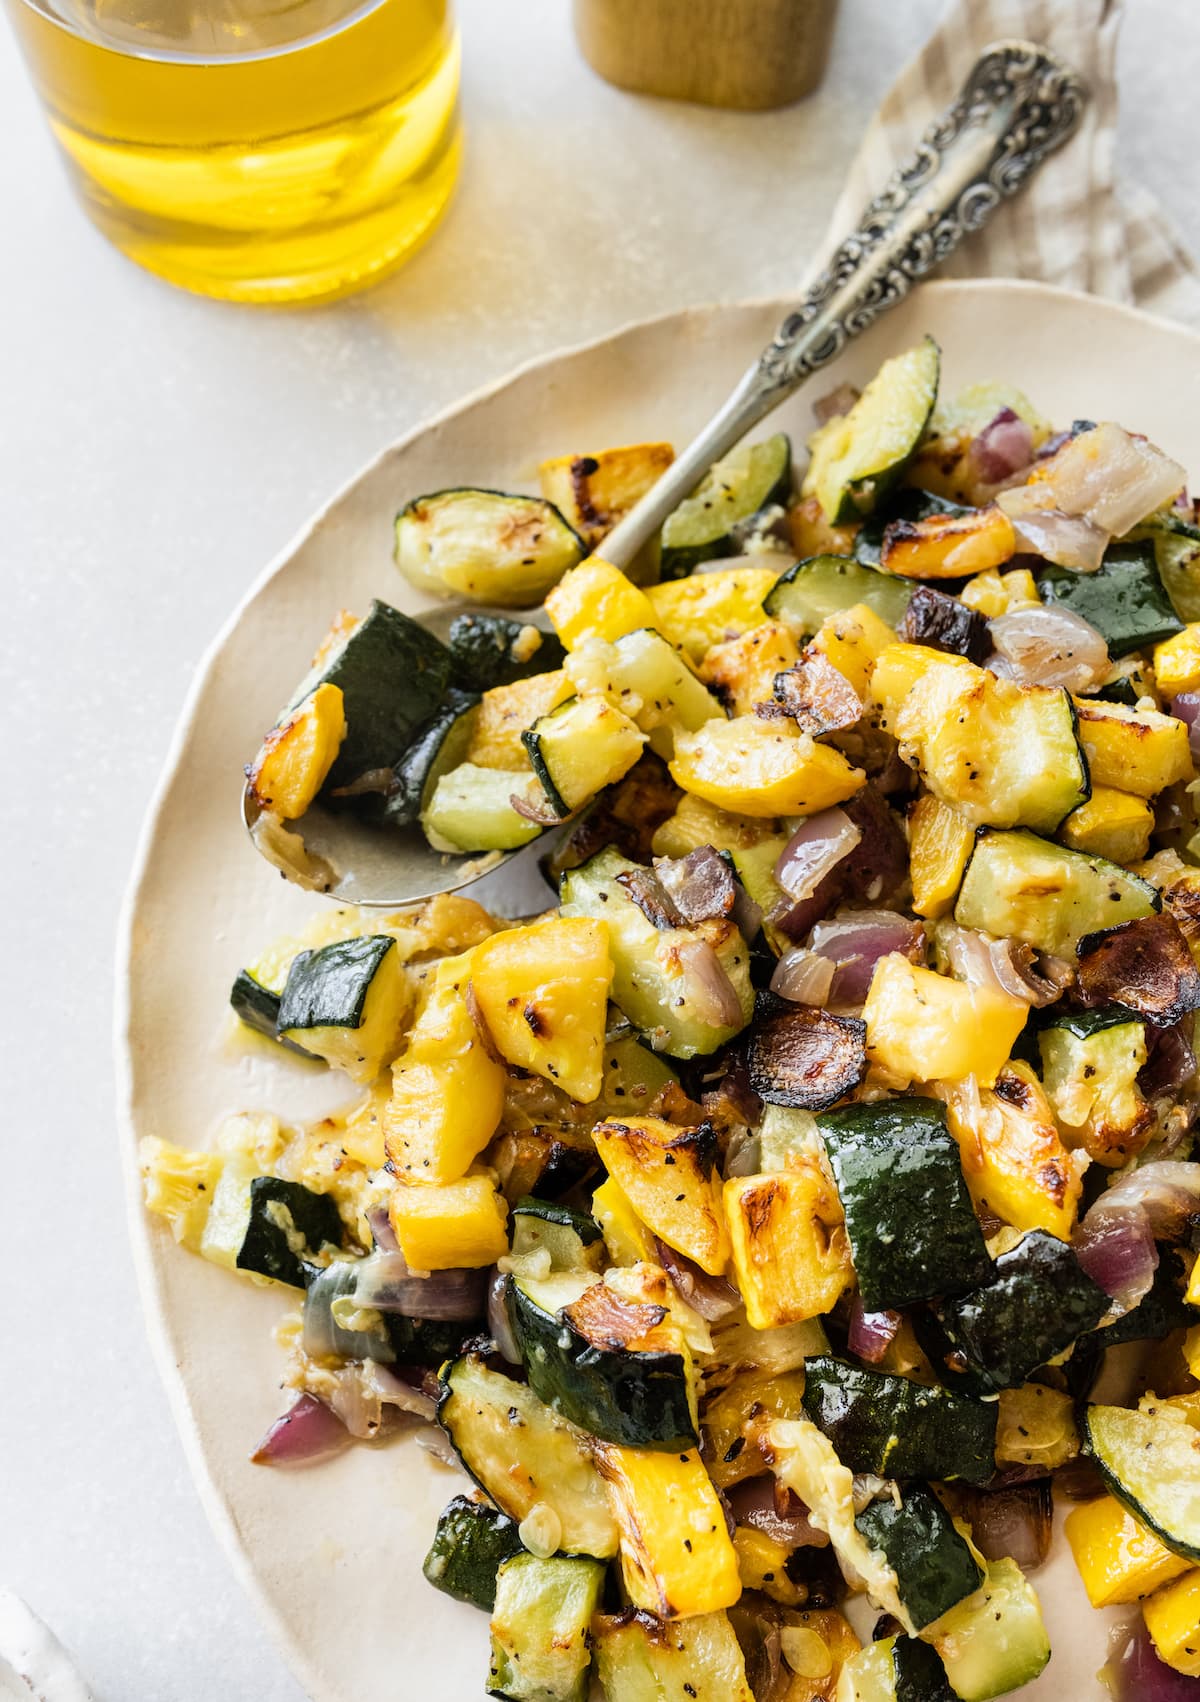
(155, 53)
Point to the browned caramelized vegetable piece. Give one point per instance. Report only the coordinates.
(817, 697)
(807, 1058)
(1145, 965)
(940, 622)
(610, 1322)
(948, 546)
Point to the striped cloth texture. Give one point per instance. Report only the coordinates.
(1074, 224)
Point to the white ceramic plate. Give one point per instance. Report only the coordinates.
(332, 1554)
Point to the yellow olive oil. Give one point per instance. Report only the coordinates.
(258, 150)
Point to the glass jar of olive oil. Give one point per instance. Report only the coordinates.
(258, 150)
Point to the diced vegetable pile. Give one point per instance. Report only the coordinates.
(755, 1223)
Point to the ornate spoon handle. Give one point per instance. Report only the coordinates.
(1016, 107)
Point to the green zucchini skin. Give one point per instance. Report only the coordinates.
(639, 1400)
(265, 1247)
(820, 586)
(1038, 1303)
(1149, 1463)
(471, 1543)
(893, 1427)
(912, 1229)
(904, 505)
(481, 652)
(918, 1672)
(1083, 1024)
(563, 1217)
(258, 1008)
(701, 527)
(328, 988)
(392, 674)
(1124, 599)
(541, 1648)
(932, 1563)
(324, 1335)
(439, 745)
(429, 1342)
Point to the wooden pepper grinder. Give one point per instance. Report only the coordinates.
(751, 54)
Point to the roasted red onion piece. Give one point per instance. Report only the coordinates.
(756, 1502)
(839, 401)
(941, 622)
(1005, 966)
(363, 1393)
(1046, 531)
(1115, 1243)
(803, 976)
(1002, 448)
(1111, 478)
(713, 1297)
(1187, 707)
(855, 940)
(386, 1284)
(651, 897)
(1171, 1062)
(1139, 1675)
(498, 1322)
(381, 1228)
(878, 866)
(1050, 646)
(817, 697)
(307, 1432)
(701, 886)
(706, 987)
(1145, 964)
(814, 851)
(1013, 1522)
(807, 1058)
(871, 1333)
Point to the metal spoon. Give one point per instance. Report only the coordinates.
(1017, 106)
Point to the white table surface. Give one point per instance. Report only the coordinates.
(155, 451)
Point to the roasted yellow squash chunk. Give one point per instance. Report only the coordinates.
(290, 769)
(596, 600)
(790, 1252)
(542, 995)
(1133, 750)
(596, 491)
(1172, 1616)
(676, 1556)
(504, 714)
(762, 768)
(1119, 1560)
(924, 1027)
(1111, 824)
(743, 669)
(940, 842)
(707, 608)
(463, 1223)
(667, 1174)
(1014, 1161)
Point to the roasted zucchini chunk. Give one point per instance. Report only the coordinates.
(471, 809)
(649, 680)
(806, 1058)
(643, 1659)
(1018, 886)
(267, 1226)
(571, 1241)
(677, 1559)
(541, 1622)
(895, 1669)
(751, 478)
(664, 980)
(934, 1567)
(1090, 1066)
(471, 1543)
(908, 1215)
(579, 748)
(859, 456)
(1145, 965)
(1037, 1303)
(522, 1454)
(595, 492)
(347, 1003)
(994, 1641)
(437, 747)
(616, 1367)
(491, 650)
(178, 1185)
(813, 590)
(1124, 600)
(1002, 754)
(1149, 1462)
(893, 1427)
(488, 546)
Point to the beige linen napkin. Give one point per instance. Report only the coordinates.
(1072, 225)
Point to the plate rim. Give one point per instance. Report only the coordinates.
(217, 1507)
